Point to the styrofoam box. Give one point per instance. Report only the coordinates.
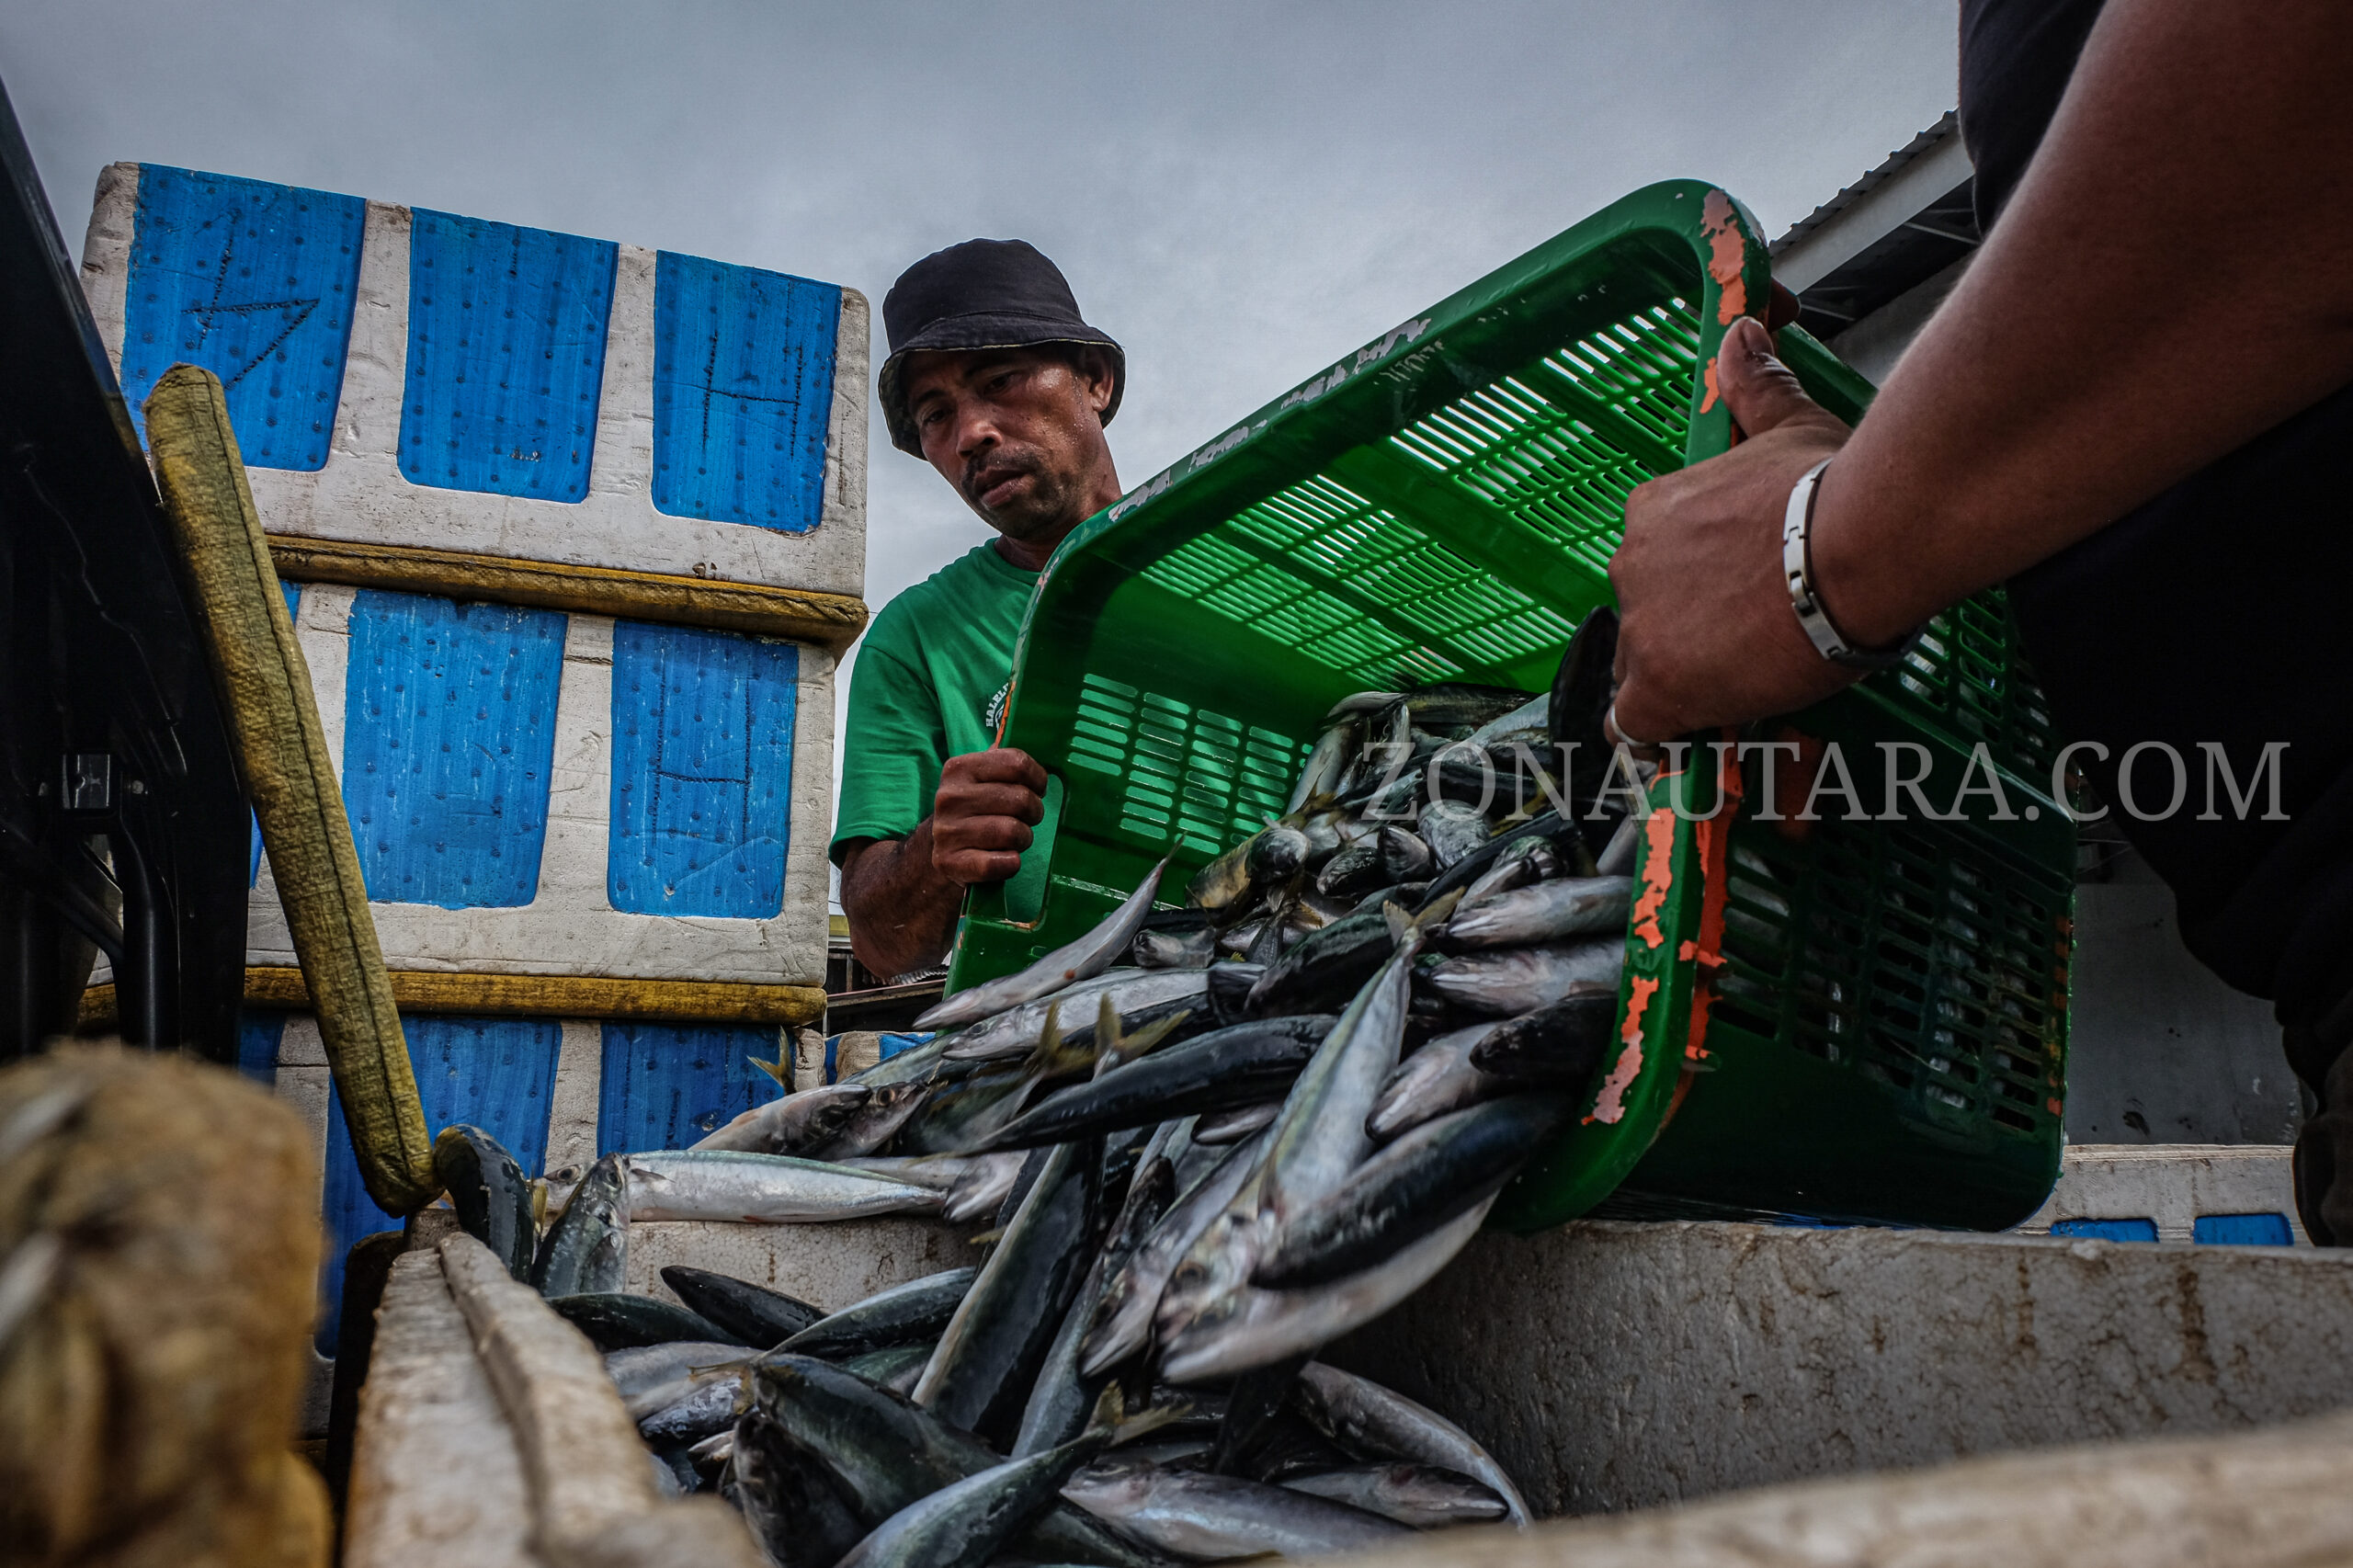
(536, 793)
(413, 377)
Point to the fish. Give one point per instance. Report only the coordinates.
(1452, 830)
(915, 1064)
(1327, 764)
(1204, 1517)
(979, 1377)
(490, 1193)
(895, 1368)
(1252, 1408)
(1461, 705)
(1548, 826)
(1361, 1414)
(1242, 1064)
(1511, 980)
(1277, 854)
(1174, 938)
(965, 1523)
(1262, 1326)
(1326, 968)
(704, 1409)
(588, 1247)
(1522, 861)
(762, 1189)
(643, 1366)
(1396, 855)
(1438, 1078)
(912, 1312)
(1140, 996)
(1225, 882)
(616, 1320)
(1229, 990)
(795, 1124)
(983, 1189)
(1562, 1044)
(887, 1109)
(760, 1316)
(1546, 912)
(1089, 956)
(797, 1511)
(885, 1451)
(1415, 1185)
(1529, 715)
(1122, 1325)
(1062, 1397)
(1421, 1497)
(1316, 1140)
(1232, 1126)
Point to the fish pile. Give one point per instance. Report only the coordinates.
(1205, 1142)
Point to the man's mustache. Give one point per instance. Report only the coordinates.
(982, 474)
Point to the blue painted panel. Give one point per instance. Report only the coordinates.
(258, 1037)
(702, 771)
(293, 592)
(494, 1072)
(2243, 1229)
(2108, 1229)
(256, 283)
(665, 1085)
(505, 356)
(449, 733)
(743, 388)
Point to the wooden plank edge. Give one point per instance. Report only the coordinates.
(591, 1480)
(531, 995)
(831, 620)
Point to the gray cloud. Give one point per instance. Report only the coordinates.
(1240, 192)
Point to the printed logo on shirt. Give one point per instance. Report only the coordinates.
(992, 716)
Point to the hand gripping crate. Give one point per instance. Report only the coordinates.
(1852, 1018)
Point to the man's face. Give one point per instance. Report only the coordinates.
(1017, 431)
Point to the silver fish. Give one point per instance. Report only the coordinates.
(1436, 1079)
(762, 1189)
(1327, 764)
(887, 1108)
(1016, 1031)
(1423, 1497)
(1362, 1414)
(1233, 1126)
(795, 1124)
(588, 1247)
(1522, 861)
(987, 1179)
(1206, 1518)
(1258, 1327)
(1546, 912)
(1529, 715)
(963, 1524)
(644, 1366)
(1123, 1322)
(1066, 965)
(1511, 980)
(1452, 829)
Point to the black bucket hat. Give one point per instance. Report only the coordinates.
(981, 294)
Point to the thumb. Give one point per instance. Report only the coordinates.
(1760, 390)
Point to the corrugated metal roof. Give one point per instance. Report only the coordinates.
(1919, 147)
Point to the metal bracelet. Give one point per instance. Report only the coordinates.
(1797, 566)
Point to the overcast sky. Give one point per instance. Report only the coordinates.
(1239, 192)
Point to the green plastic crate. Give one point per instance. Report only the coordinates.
(1865, 1023)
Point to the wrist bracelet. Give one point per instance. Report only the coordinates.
(1797, 566)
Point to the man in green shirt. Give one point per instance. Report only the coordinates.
(995, 381)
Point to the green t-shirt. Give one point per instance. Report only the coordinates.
(930, 683)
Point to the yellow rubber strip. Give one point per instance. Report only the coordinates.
(533, 995)
(831, 620)
(291, 780)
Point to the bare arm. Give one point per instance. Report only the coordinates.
(2161, 290)
(902, 895)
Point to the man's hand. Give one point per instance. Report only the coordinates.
(1706, 633)
(981, 819)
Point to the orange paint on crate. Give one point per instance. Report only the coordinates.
(1727, 250)
(1714, 844)
(1708, 376)
(1658, 875)
(1609, 1105)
